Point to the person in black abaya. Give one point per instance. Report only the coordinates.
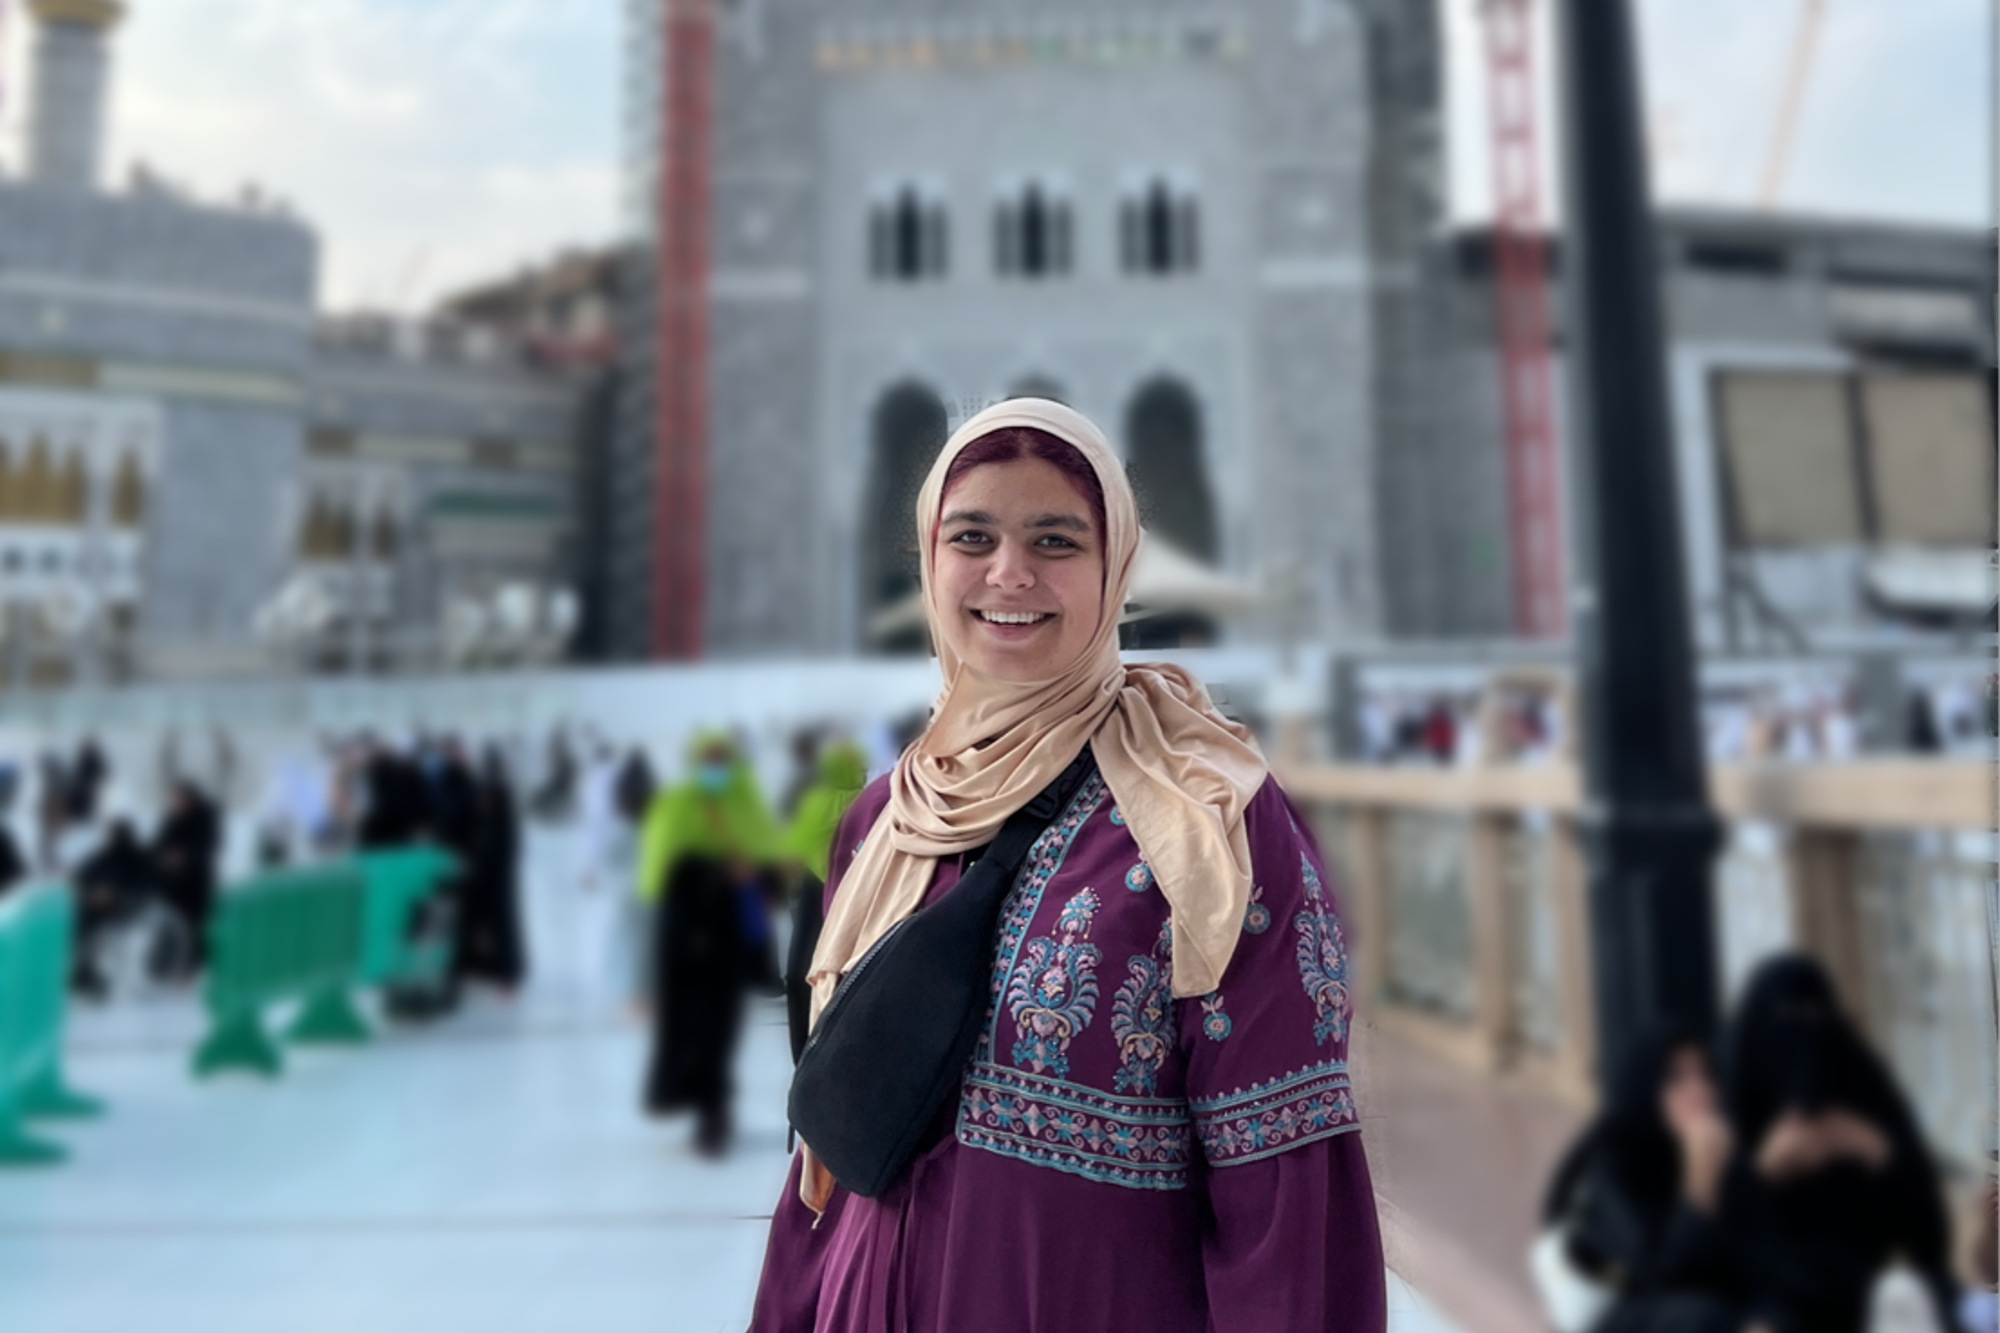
(86, 781)
(51, 810)
(13, 865)
(705, 843)
(489, 927)
(1649, 1200)
(185, 848)
(394, 805)
(112, 881)
(1842, 1183)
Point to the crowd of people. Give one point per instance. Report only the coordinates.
(678, 895)
(116, 867)
(1765, 1188)
(1797, 723)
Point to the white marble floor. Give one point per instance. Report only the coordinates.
(490, 1173)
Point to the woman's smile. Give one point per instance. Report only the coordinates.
(1013, 625)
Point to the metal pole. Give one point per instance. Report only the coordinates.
(1649, 835)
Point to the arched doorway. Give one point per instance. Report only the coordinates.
(908, 431)
(1038, 386)
(1164, 459)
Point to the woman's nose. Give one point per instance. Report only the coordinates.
(1010, 568)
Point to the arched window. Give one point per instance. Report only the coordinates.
(908, 235)
(72, 498)
(909, 430)
(1164, 459)
(1038, 386)
(128, 494)
(339, 532)
(37, 494)
(10, 485)
(1032, 233)
(1159, 229)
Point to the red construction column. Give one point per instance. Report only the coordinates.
(680, 525)
(1521, 299)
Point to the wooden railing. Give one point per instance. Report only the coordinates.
(1466, 887)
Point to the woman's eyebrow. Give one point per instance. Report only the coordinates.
(1070, 521)
(969, 516)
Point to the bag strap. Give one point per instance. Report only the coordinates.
(1010, 846)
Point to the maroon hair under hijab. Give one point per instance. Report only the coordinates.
(1011, 443)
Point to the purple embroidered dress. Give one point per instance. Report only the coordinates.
(1118, 1160)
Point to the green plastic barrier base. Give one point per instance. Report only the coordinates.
(19, 1149)
(238, 1043)
(47, 1099)
(329, 1019)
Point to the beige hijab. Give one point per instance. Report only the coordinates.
(1182, 774)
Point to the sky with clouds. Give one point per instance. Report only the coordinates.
(436, 142)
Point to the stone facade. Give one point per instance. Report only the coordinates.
(1264, 118)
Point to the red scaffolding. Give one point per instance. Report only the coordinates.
(1521, 306)
(681, 353)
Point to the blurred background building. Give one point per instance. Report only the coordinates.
(200, 473)
(1220, 234)
(1159, 217)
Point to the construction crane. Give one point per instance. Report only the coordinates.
(1520, 271)
(681, 359)
(1805, 40)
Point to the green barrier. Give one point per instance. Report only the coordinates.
(289, 935)
(398, 884)
(37, 926)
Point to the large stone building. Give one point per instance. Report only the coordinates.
(1217, 230)
(183, 437)
(1159, 213)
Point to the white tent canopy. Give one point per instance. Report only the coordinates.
(1167, 581)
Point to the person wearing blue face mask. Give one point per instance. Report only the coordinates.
(706, 849)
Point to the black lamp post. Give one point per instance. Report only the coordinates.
(1649, 835)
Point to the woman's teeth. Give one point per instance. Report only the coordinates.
(1012, 617)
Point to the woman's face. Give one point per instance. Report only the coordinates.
(1688, 1092)
(1019, 564)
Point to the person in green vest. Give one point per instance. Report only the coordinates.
(842, 773)
(708, 847)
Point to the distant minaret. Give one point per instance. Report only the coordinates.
(72, 66)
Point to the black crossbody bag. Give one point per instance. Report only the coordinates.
(896, 1037)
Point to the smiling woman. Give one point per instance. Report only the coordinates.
(1183, 1157)
(1019, 555)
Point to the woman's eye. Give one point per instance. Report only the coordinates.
(1054, 542)
(969, 539)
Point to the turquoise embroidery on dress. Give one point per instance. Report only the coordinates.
(1142, 1017)
(1045, 858)
(1131, 1141)
(1268, 1118)
(1142, 1025)
(1322, 956)
(1257, 917)
(1139, 878)
(1117, 817)
(1214, 1023)
(1140, 1143)
(1052, 993)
